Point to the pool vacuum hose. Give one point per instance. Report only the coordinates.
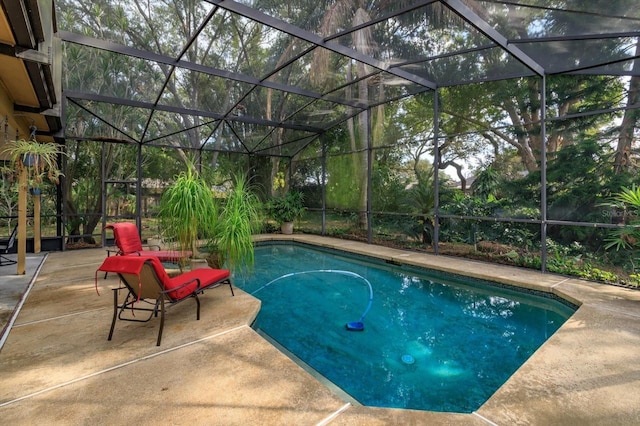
(350, 326)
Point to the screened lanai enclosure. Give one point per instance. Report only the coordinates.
(505, 130)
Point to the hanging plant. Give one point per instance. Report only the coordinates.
(39, 159)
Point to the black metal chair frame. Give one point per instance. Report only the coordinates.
(160, 304)
(4, 248)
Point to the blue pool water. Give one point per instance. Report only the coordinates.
(431, 341)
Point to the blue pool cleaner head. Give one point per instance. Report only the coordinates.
(355, 326)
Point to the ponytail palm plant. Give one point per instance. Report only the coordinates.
(240, 217)
(188, 210)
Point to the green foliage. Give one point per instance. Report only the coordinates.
(240, 218)
(387, 182)
(471, 230)
(339, 171)
(576, 267)
(560, 263)
(487, 183)
(287, 207)
(579, 178)
(420, 200)
(529, 260)
(596, 274)
(518, 235)
(39, 159)
(627, 205)
(188, 210)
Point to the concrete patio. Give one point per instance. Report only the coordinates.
(57, 367)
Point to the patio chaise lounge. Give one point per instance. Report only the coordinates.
(127, 239)
(151, 290)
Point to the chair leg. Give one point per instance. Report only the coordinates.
(115, 312)
(161, 320)
(230, 287)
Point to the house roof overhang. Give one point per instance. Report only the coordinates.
(30, 70)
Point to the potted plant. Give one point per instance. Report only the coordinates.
(188, 210)
(240, 217)
(155, 243)
(286, 208)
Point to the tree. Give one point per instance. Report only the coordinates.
(361, 82)
(508, 113)
(147, 26)
(623, 160)
(486, 183)
(580, 178)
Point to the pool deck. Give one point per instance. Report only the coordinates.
(57, 367)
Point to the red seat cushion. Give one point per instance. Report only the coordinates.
(206, 276)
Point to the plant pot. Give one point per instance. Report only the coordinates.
(215, 260)
(154, 244)
(29, 160)
(199, 263)
(287, 228)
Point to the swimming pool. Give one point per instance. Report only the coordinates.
(431, 341)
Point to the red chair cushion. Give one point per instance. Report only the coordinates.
(159, 269)
(128, 241)
(126, 237)
(122, 265)
(164, 255)
(206, 276)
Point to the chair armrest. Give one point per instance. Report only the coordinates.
(166, 291)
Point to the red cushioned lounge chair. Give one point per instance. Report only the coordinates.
(127, 238)
(151, 290)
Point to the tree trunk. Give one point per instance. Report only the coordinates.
(362, 158)
(628, 126)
